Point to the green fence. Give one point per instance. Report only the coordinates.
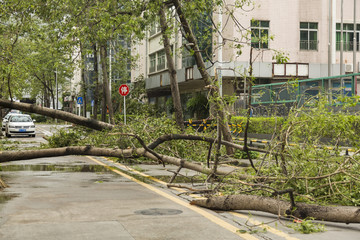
(300, 90)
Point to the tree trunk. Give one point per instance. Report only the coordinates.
(46, 97)
(96, 82)
(53, 93)
(219, 104)
(172, 72)
(8, 156)
(66, 116)
(106, 88)
(342, 214)
(83, 80)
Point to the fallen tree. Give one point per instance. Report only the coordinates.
(342, 214)
(66, 116)
(8, 156)
(231, 202)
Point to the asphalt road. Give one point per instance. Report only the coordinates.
(77, 197)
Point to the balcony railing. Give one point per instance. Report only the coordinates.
(348, 46)
(188, 61)
(160, 66)
(152, 69)
(309, 45)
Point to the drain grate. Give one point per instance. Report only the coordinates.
(158, 211)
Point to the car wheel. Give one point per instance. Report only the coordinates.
(33, 135)
(8, 135)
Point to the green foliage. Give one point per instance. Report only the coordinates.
(148, 128)
(265, 125)
(243, 155)
(317, 120)
(65, 137)
(280, 57)
(307, 226)
(327, 175)
(198, 105)
(38, 118)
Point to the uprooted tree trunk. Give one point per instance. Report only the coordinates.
(342, 214)
(66, 116)
(8, 156)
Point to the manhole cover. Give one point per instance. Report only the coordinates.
(158, 211)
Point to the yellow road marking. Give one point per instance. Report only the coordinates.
(268, 228)
(255, 222)
(151, 178)
(199, 210)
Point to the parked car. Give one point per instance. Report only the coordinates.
(6, 119)
(20, 124)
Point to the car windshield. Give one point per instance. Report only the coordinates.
(20, 119)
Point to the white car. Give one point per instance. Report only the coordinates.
(20, 124)
(6, 119)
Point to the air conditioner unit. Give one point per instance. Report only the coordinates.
(349, 68)
(239, 86)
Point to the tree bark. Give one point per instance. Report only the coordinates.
(219, 105)
(84, 80)
(342, 214)
(8, 156)
(96, 81)
(172, 72)
(106, 88)
(66, 116)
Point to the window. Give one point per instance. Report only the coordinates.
(160, 60)
(154, 28)
(308, 36)
(348, 36)
(157, 61)
(260, 34)
(152, 63)
(189, 73)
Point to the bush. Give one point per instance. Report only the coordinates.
(38, 118)
(264, 125)
(65, 137)
(243, 155)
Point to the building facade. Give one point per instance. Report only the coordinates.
(307, 32)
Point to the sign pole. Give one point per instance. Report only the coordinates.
(80, 101)
(124, 90)
(124, 111)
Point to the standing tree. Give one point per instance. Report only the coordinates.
(219, 105)
(171, 68)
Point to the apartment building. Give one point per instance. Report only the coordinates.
(308, 32)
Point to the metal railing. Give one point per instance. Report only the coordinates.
(309, 45)
(348, 46)
(301, 90)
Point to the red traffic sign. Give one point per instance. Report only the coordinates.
(124, 90)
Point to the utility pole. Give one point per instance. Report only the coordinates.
(220, 51)
(342, 46)
(354, 40)
(57, 92)
(330, 49)
(342, 39)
